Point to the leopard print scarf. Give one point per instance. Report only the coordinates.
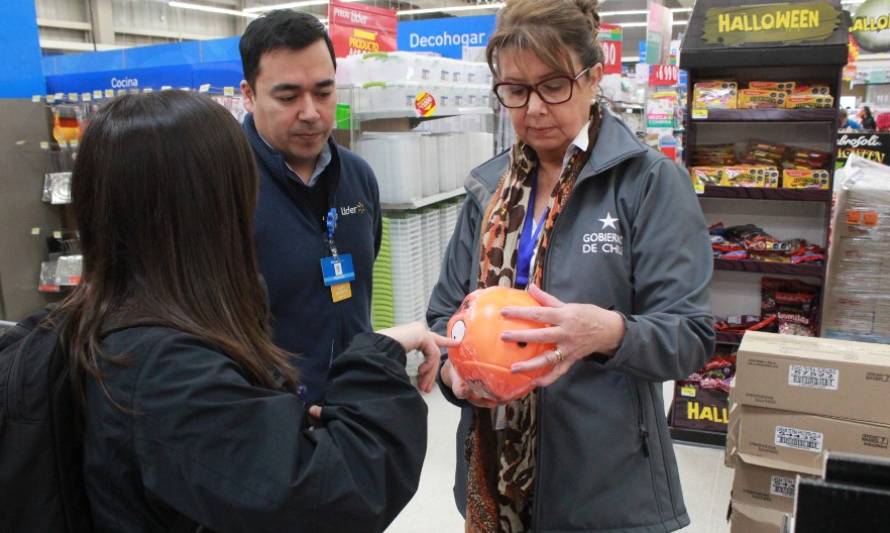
(502, 462)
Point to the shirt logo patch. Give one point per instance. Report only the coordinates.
(356, 209)
(603, 241)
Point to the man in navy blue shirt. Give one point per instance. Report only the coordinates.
(318, 221)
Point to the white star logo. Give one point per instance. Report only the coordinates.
(609, 222)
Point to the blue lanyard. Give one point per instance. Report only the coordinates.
(331, 224)
(528, 240)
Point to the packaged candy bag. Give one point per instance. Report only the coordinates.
(482, 355)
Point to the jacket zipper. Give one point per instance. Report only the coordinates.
(641, 420)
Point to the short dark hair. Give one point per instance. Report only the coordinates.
(282, 28)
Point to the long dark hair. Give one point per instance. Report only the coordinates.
(163, 190)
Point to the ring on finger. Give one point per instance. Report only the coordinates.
(560, 357)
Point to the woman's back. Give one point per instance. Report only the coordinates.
(192, 440)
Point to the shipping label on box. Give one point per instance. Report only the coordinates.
(827, 377)
(764, 487)
(799, 443)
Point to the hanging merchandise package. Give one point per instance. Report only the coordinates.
(482, 356)
(857, 289)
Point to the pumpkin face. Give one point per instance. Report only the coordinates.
(482, 355)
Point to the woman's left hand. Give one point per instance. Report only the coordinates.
(577, 330)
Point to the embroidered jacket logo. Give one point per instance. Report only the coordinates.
(603, 241)
(356, 209)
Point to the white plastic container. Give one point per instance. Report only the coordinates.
(395, 158)
(430, 171)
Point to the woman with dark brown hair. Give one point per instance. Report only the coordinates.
(613, 232)
(191, 412)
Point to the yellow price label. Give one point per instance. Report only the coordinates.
(204, 87)
(72, 97)
(341, 291)
(109, 93)
(36, 98)
(97, 95)
(86, 97)
(687, 392)
(700, 114)
(229, 91)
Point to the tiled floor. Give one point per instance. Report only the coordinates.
(706, 482)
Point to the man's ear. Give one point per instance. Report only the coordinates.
(247, 92)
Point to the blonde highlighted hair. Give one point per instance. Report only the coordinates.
(548, 28)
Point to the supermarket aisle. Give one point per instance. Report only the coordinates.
(706, 482)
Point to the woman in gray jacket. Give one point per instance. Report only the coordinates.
(608, 235)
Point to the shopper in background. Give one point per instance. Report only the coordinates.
(191, 412)
(317, 200)
(866, 119)
(845, 123)
(614, 234)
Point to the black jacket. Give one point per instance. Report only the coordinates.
(192, 436)
(290, 244)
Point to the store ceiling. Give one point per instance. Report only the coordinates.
(634, 31)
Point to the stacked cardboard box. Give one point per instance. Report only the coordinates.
(794, 400)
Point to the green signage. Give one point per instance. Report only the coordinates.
(771, 23)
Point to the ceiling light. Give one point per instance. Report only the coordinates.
(291, 5)
(211, 9)
(640, 12)
(287, 5)
(495, 5)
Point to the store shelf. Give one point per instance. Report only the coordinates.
(767, 115)
(716, 439)
(364, 116)
(724, 337)
(424, 202)
(754, 193)
(762, 267)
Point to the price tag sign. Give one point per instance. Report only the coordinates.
(109, 93)
(44, 145)
(72, 97)
(35, 231)
(36, 98)
(97, 95)
(700, 114)
(229, 91)
(50, 98)
(86, 97)
(204, 87)
(664, 75)
(148, 90)
(610, 37)
(166, 88)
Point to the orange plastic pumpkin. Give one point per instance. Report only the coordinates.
(482, 355)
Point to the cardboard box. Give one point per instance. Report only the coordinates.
(798, 442)
(764, 487)
(751, 519)
(800, 178)
(808, 101)
(698, 408)
(761, 99)
(716, 94)
(784, 86)
(827, 377)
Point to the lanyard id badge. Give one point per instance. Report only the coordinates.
(337, 270)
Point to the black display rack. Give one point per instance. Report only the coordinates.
(804, 62)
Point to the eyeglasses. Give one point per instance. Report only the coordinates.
(556, 90)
